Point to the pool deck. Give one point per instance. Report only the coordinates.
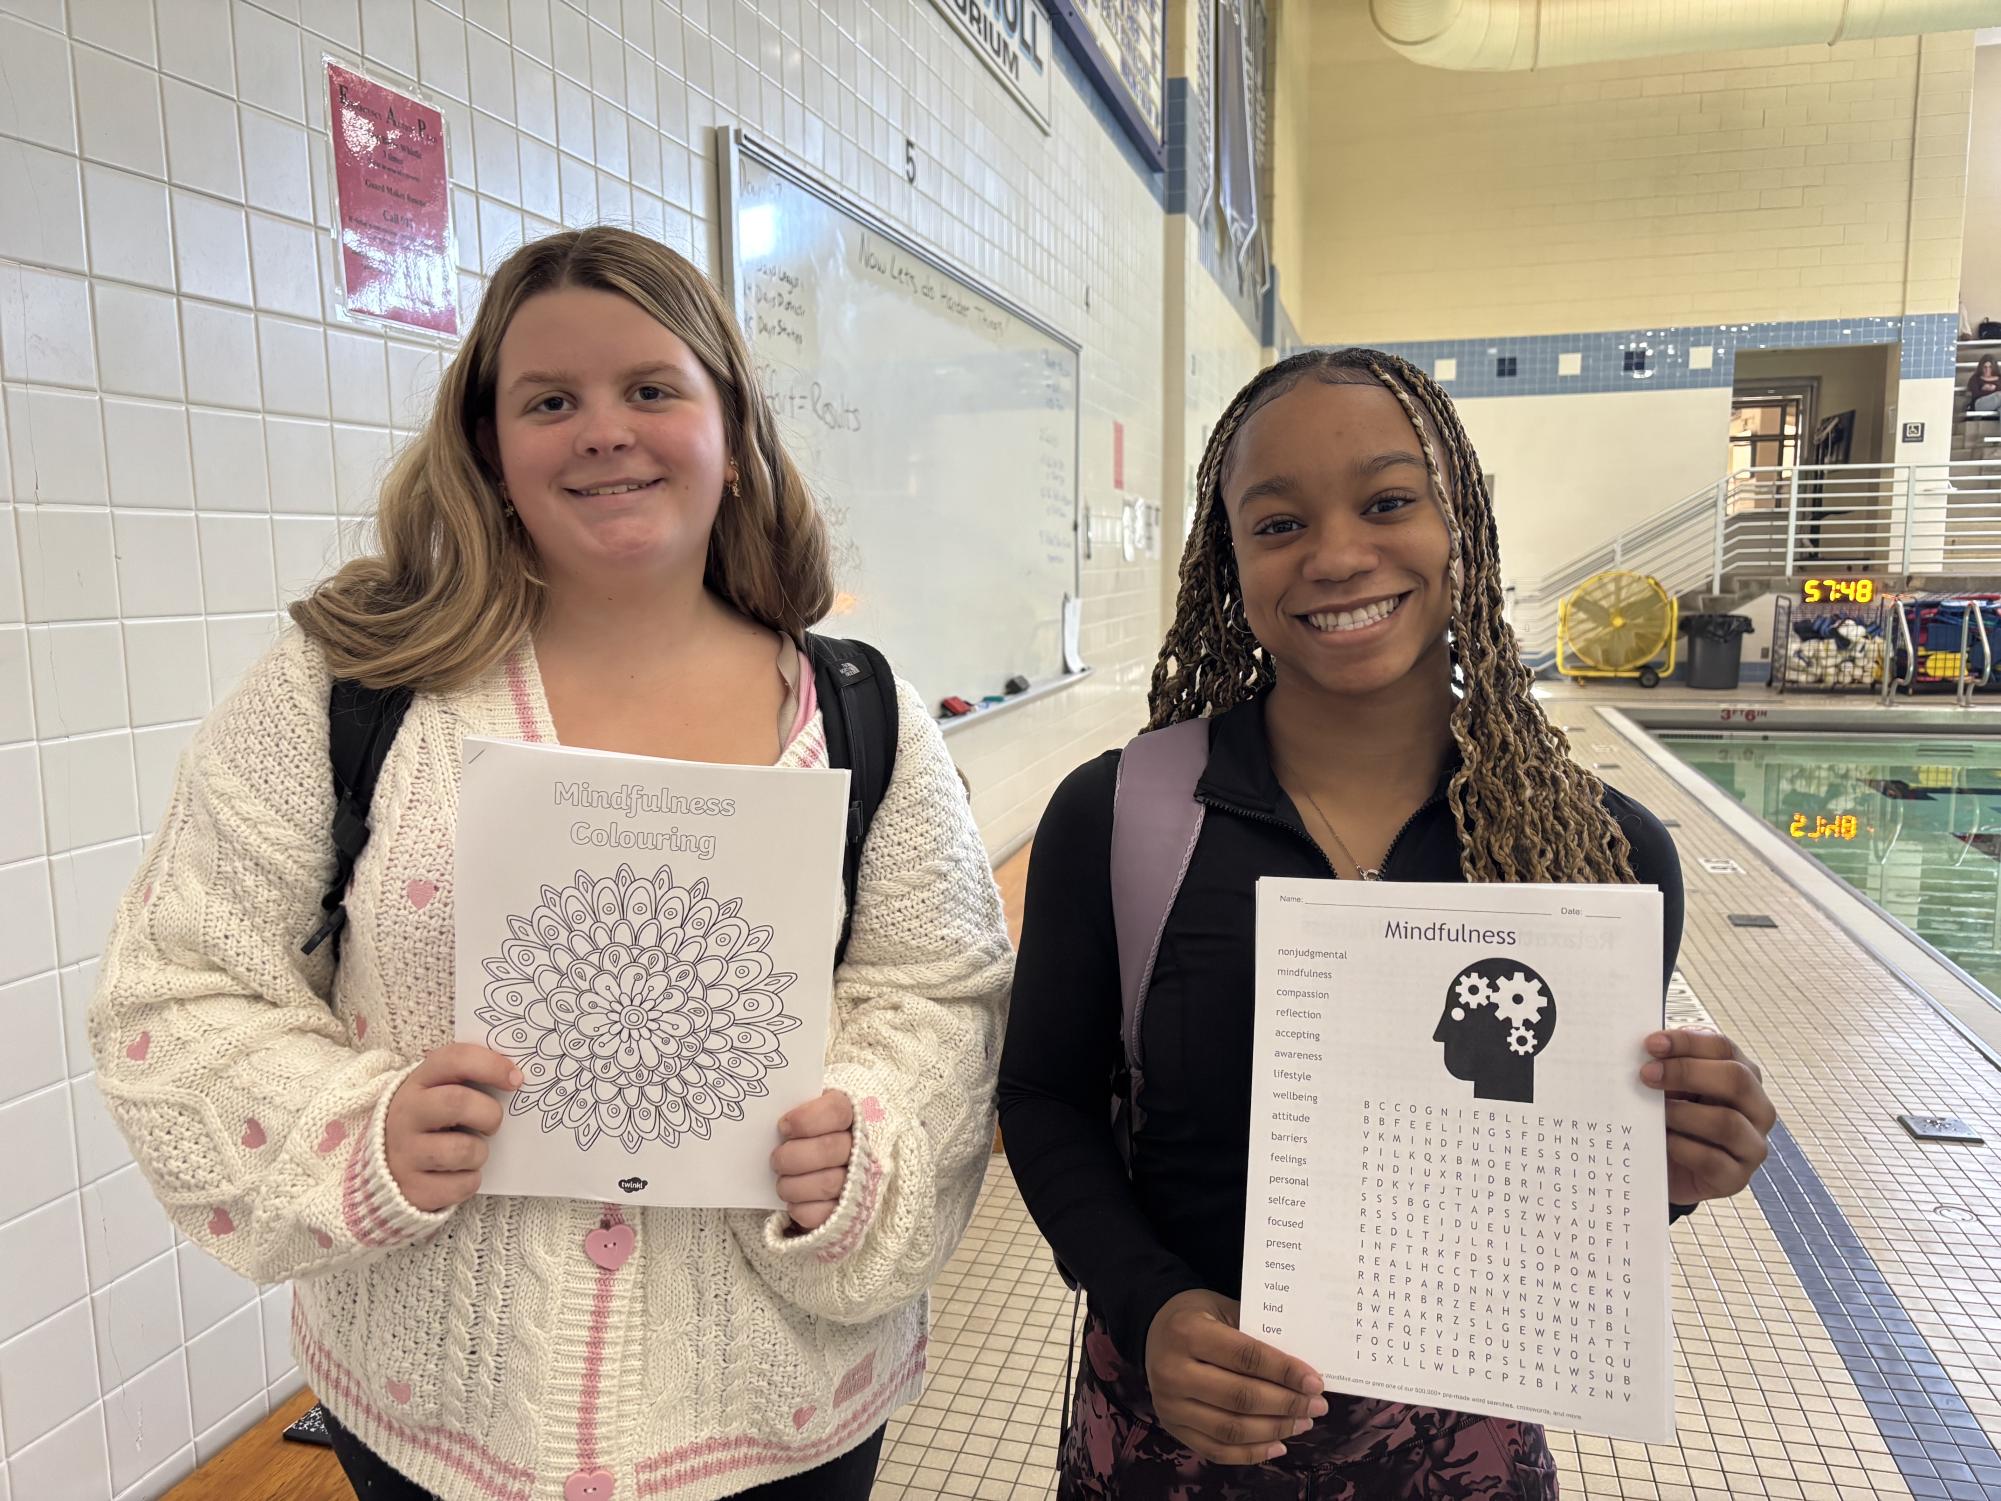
(1838, 1328)
(1955, 994)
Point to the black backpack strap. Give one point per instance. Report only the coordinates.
(361, 726)
(857, 695)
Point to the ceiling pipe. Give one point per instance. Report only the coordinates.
(1513, 35)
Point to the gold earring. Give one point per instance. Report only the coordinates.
(506, 504)
(736, 490)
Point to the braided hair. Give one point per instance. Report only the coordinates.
(1525, 810)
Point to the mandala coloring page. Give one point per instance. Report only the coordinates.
(651, 942)
(636, 1009)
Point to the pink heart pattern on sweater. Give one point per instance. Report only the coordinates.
(360, 1027)
(333, 1136)
(400, 1390)
(253, 1134)
(325, 1240)
(139, 1047)
(872, 1111)
(220, 1223)
(803, 1415)
(420, 893)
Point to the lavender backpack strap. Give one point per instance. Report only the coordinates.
(1155, 823)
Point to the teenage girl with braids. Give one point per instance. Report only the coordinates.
(1340, 625)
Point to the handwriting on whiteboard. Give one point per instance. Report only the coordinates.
(777, 306)
(883, 260)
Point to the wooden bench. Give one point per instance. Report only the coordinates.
(261, 1466)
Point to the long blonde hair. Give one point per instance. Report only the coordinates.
(455, 587)
(1525, 810)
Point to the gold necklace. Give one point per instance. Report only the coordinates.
(1362, 872)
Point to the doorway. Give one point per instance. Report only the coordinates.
(1769, 423)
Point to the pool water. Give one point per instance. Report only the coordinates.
(1912, 824)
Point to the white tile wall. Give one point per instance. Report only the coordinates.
(31, 1017)
(185, 433)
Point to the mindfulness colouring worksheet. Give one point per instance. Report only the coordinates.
(1458, 1183)
(652, 943)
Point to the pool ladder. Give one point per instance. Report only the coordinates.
(1967, 685)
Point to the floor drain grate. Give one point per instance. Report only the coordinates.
(1720, 867)
(1940, 1128)
(1670, 823)
(1751, 920)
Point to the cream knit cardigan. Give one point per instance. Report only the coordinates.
(479, 1350)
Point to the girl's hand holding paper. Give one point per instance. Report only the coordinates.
(435, 1132)
(812, 1162)
(1719, 1117)
(1232, 1399)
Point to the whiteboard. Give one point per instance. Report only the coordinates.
(935, 423)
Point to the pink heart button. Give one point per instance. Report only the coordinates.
(589, 1485)
(610, 1247)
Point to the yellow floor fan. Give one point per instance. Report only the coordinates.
(1617, 625)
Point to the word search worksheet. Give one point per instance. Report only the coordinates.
(1458, 1183)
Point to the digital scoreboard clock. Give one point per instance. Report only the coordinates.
(1819, 826)
(1838, 591)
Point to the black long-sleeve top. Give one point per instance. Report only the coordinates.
(1177, 1222)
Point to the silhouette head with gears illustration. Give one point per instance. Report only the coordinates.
(1499, 1014)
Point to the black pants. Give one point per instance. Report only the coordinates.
(849, 1478)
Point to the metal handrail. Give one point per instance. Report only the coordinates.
(1974, 623)
(1889, 521)
(1896, 837)
(1966, 845)
(1892, 679)
(1965, 657)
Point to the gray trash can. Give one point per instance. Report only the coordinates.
(1715, 649)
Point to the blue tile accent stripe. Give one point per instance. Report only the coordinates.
(1927, 345)
(1931, 346)
(1177, 145)
(1241, 292)
(1941, 1450)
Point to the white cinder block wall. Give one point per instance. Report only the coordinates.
(1746, 187)
(186, 431)
(1980, 281)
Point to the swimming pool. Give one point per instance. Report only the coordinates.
(1912, 824)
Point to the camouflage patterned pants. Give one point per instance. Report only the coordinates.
(1363, 1450)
